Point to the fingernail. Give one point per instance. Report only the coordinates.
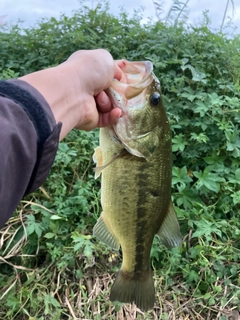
(104, 98)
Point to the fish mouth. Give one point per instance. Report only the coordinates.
(132, 87)
(137, 77)
(130, 95)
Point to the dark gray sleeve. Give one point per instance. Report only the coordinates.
(29, 139)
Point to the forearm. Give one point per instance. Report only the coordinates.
(57, 88)
(75, 90)
(71, 95)
(26, 152)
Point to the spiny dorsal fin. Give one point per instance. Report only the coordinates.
(169, 232)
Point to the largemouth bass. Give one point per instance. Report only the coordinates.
(135, 160)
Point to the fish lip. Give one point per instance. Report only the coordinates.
(119, 100)
(136, 88)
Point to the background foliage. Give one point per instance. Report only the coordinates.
(50, 266)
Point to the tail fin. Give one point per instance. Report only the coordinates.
(138, 289)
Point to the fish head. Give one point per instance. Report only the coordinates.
(143, 125)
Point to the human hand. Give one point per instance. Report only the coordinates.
(93, 72)
(75, 90)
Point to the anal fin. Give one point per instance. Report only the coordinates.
(169, 232)
(101, 231)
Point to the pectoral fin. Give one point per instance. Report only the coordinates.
(97, 158)
(143, 145)
(169, 232)
(102, 232)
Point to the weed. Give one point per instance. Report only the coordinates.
(50, 265)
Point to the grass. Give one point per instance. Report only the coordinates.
(81, 291)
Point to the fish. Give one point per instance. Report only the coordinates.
(134, 159)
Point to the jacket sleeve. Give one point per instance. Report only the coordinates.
(29, 139)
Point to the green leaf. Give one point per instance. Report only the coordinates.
(55, 217)
(88, 251)
(50, 301)
(30, 229)
(208, 179)
(49, 235)
(211, 302)
(178, 143)
(184, 61)
(206, 229)
(38, 229)
(78, 246)
(237, 174)
(193, 276)
(207, 296)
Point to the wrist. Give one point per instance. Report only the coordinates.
(63, 95)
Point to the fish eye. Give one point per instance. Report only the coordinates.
(155, 98)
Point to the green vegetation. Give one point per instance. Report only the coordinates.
(50, 265)
(179, 11)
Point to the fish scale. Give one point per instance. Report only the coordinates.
(135, 160)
